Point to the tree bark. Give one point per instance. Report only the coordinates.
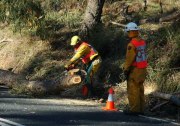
(161, 6)
(19, 82)
(145, 5)
(92, 16)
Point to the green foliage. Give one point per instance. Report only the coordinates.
(164, 57)
(69, 19)
(41, 18)
(22, 13)
(2, 12)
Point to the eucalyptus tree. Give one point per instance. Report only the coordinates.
(92, 16)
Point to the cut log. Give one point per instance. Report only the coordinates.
(73, 77)
(172, 98)
(173, 16)
(71, 80)
(19, 82)
(75, 80)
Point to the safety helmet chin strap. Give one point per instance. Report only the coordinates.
(78, 44)
(135, 34)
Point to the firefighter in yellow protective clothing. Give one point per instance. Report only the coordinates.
(135, 70)
(89, 57)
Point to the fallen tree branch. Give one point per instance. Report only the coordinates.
(19, 82)
(5, 40)
(162, 95)
(159, 105)
(115, 23)
(172, 98)
(163, 103)
(175, 15)
(2, 40)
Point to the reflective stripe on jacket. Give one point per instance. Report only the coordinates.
(140, 59)
(89, 55)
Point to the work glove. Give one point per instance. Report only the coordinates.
(67, 65)
(122, 66)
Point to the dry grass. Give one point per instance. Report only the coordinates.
(18, 52)
(33, 57)
(121, 98)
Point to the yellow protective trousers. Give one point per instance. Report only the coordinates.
(92, 68)
(135, 89)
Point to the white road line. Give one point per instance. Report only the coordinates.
(5, 122)
(164, 120)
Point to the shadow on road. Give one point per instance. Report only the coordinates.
(84, 118)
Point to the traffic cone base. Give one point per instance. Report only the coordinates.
(110, 102)
(109, 106)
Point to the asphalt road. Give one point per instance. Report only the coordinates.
(22, 111)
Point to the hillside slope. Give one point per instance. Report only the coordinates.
(43, 59)
(40, 53)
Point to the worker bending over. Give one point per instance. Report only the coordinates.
(89, 57)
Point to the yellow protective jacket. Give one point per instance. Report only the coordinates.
(84, 51)
(135, 55)
(130, 57)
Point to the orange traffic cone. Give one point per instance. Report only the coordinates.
(110, 102)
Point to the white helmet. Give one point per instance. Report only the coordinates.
(131, 27)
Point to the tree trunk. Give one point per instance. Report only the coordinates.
(92, 16)
(145, 5)
(20, 83)
(161, 6)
